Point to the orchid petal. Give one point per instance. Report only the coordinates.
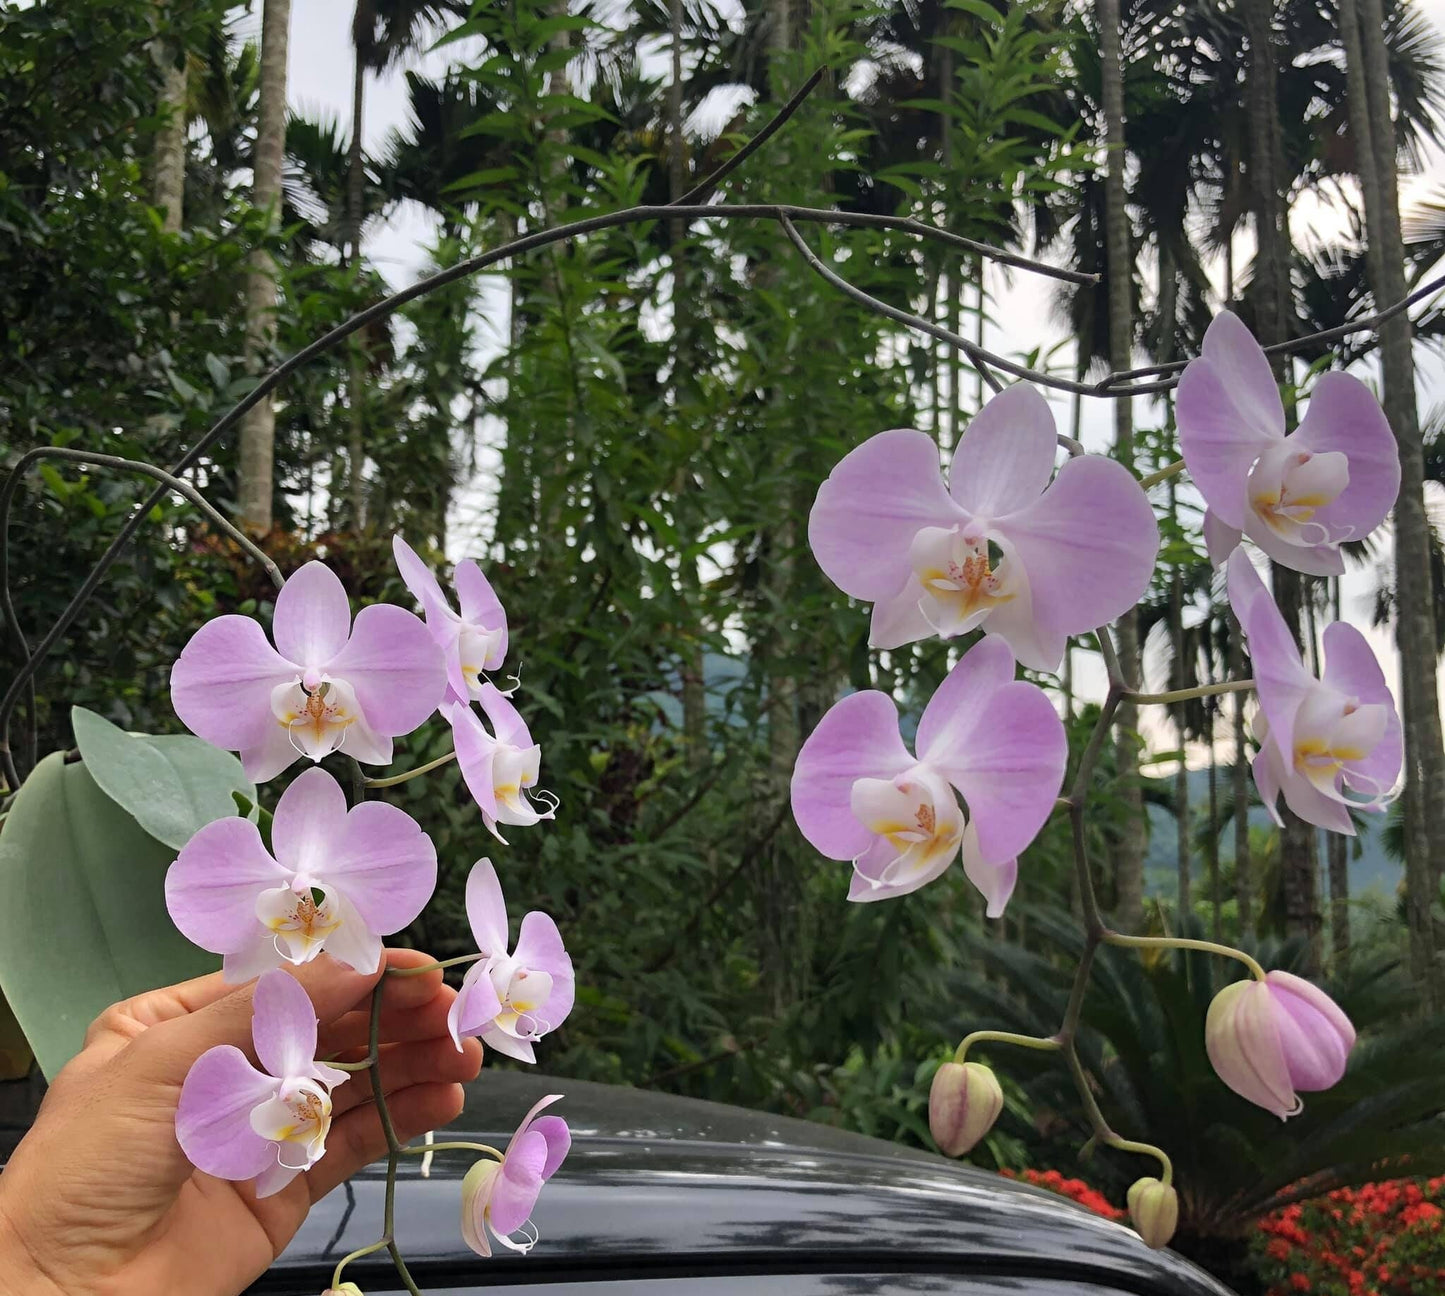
(1314, 1033)
(899, 620)
(384, 865)
(540, 949)
(1220, 539)
(476, 751)
(395, 666)
(1322, 559)
(221, 684)
(486, 909)
(481, 607)
(1313, 806)
(1281, 680)
(476, 1194)
(313, 616)
(1006, 455)
(211, 887)
(507, 722)
(1229, 411)
(515, 1191)
(857, 738)
(283, 1025)
(1242, 1041)
(364, 744)
(1268, 768)
(500, 1042)
(1087, 546)
(1011, 769)
(559, 1142)
(354, 941)
(256, 956)
(419, 579)
(271, 1180)
(1343, 415)
(308, 823)
(1351, 667)
(213, 1117)
(995, 882)
(872, 505)
(954, 709)
(476, 1003)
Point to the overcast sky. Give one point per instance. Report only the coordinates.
(320, 71)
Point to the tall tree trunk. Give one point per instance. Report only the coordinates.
(1129, 867)
(694, 695)
(169, 160)
(258, 427)
(1239, 794)
(1371, 124)
(1272, 317)
(363, 40)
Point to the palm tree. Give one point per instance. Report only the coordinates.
(258, 428)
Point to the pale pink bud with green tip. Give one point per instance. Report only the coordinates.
(963, 1105)
(1267, 1039)
(1154, 1211)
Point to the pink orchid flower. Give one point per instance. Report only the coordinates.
(859, 795)
(474, 641)
(331, 687)
(340, 880)
(237, 1122)
(498, 1196)
(1267, 1039)
(1298, 497)
(510, 1000)
(1317, 737)
(499, 766)
(1002, 549)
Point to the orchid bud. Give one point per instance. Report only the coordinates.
(1154, 1211)
(963, 1104)
(1267, 1039)
(346, 1289)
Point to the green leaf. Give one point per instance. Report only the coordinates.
(83, 919)
(172, 784)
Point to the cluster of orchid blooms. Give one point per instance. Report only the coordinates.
(1007, 546)
(339, 879)
(1028, 557)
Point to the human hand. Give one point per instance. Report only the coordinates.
(99, 1200)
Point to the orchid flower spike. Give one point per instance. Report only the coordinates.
(1001, 549)
(331, 687)
(498, 1196)
(237, 1122)
(1318, 738)
(475, 640)
(1267, 1039)
(499, 767)
(510, 1000)
(340, 880)
(1297, 496)
(859, 795)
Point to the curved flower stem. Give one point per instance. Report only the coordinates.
(1002, 1037)
(432, 967)
(363, 1065)
(421, 1149)
(1180, 942)
(394, 779)
(1105, 639)
(1188, 694)
(1164, 474)
(379, 1245)
(1102, 1132)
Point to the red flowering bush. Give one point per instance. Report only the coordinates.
(1382, 1239)
(1074, 1189)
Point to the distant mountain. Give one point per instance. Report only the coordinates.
(1373, 871)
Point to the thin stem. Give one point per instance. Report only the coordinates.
(432, 967)
(1102, 1132)
(358, 780)
(421, 1149)
(394, 779)
(363, 1065)
(1188, 694)
(1002, 1037)
(379, 1245)
(976, 355)
(1105, 639)
(1164, 474)
(1180, 942)
(393, 1144)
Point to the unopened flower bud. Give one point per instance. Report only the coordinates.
(346, 1289)
(1154, 1210)
(963, 1104)
(1267, 1039)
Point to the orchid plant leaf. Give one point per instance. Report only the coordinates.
(171, 784)
(82, 910)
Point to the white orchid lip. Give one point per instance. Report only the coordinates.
(301, 916)
(915, 816)
(298, 1119)
(963, 574)
(1289, 485)
(315, 715)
